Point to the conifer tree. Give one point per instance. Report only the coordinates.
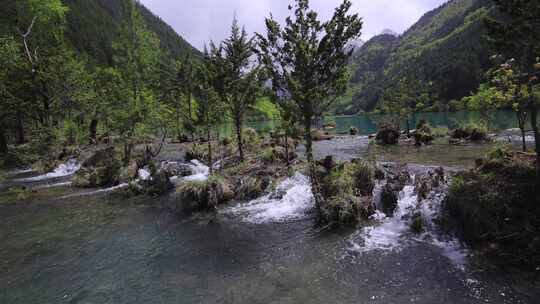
(307, 59)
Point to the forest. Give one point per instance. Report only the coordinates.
(239, 173)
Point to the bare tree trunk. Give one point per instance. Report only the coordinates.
(238, 126)
(128, 147)
(3, 141)
(307, 137)
(287, 147)
(524, 143)
(209, 138)
(20, 130)
(534, 125)
(93, 131)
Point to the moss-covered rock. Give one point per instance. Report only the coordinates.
(496, 209)
(320, 135)
(103, 168)
(204, 195)
(387, 136)
(423, 134)
(343, 192)
(249, 187)
(471, 132)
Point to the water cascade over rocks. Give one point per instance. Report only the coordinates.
(291, 200)
(62, 170)
(413, 220)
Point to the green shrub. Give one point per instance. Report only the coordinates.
(205, 194)
(500, 151)
(440, 131)
(363, 175)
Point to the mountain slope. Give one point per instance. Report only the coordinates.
(94, 24)
(444, 50)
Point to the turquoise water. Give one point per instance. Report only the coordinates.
(367, 123)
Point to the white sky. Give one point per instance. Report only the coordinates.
(200, 21)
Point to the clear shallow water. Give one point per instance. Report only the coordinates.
(103, 248)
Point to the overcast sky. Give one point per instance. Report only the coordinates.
(200, 21)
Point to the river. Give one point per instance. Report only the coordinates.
(62, 246)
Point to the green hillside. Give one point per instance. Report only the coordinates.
(444, 49)
(93, 24)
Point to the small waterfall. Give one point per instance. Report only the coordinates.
(144, 174)
(200, 171)
(394, 233)
(292, 199)
(65, 169)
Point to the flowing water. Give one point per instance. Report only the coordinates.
(103, 248)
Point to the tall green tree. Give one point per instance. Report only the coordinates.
(307, 59)
(10, 60)
(239, 80)
(137, 55)
(514, 33)
(51, 77)
(209, 107)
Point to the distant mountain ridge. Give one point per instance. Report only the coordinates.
(444, 49)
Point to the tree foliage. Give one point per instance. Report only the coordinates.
(307, 59)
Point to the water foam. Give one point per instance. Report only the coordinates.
(387, 234)
(200, 171)
(289, 201)
(394, 233)
(65, 169)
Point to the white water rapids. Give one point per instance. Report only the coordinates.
(62, 170)
(394, 233)
(291, 200)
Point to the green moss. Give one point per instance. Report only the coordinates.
(205, 194)
(496, 206)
